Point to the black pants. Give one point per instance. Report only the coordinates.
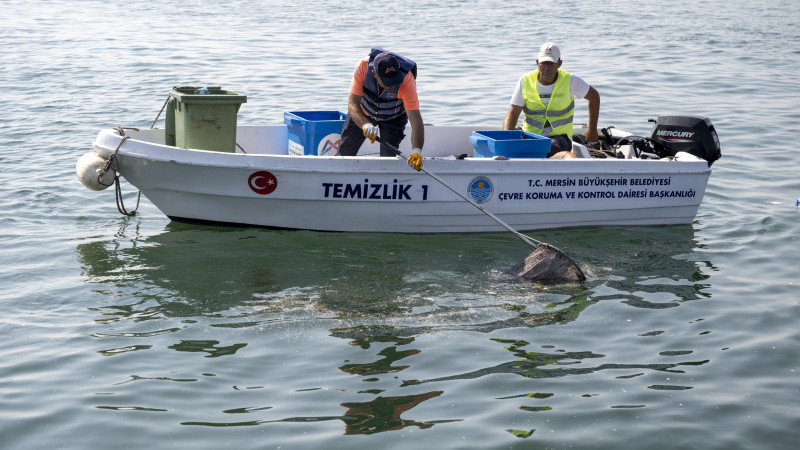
(392, 131)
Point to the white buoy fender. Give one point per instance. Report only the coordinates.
(89, 167)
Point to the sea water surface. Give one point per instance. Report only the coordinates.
(137, 332)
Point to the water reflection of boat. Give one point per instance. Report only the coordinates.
(250, 273)
(198, 269)
(246, 277)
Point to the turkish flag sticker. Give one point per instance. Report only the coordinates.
(262, 182)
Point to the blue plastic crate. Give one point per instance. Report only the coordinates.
(314, 132)
(509, 143)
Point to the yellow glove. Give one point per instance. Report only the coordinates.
(415, 160)
(370, 131)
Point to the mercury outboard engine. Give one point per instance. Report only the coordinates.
(691, 134)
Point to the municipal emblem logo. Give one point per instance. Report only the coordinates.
(480, 189)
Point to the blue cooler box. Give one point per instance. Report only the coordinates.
(314, 132)
(509, 143)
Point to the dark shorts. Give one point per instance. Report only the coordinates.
(392, 131)
(559, 143)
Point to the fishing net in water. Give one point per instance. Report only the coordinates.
(547, 263)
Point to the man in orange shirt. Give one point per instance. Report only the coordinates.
(383, 99)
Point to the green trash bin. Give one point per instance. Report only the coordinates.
(205, 121)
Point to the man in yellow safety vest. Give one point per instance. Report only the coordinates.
(546, 97)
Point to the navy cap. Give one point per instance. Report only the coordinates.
(388, 69)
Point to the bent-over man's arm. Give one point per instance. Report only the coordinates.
(417, 128)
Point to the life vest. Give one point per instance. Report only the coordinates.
(384, 106)
(559, 109)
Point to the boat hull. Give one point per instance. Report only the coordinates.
(373, 194)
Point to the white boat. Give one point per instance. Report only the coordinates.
(262, 184)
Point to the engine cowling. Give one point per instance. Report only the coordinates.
(691, 134)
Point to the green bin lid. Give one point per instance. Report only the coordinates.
(186, 94)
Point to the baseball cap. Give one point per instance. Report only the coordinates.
(388, 69)
(549, 52)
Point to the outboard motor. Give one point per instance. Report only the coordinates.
(691, 134)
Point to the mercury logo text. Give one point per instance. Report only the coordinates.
(677, 134)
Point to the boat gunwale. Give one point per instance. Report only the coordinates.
(210, 158)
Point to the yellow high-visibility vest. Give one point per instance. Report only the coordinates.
(559, 109)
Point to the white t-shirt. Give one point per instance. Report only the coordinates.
(577, 88)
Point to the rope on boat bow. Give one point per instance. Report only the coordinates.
(159, 113)
(120, 204)
(111, 165)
